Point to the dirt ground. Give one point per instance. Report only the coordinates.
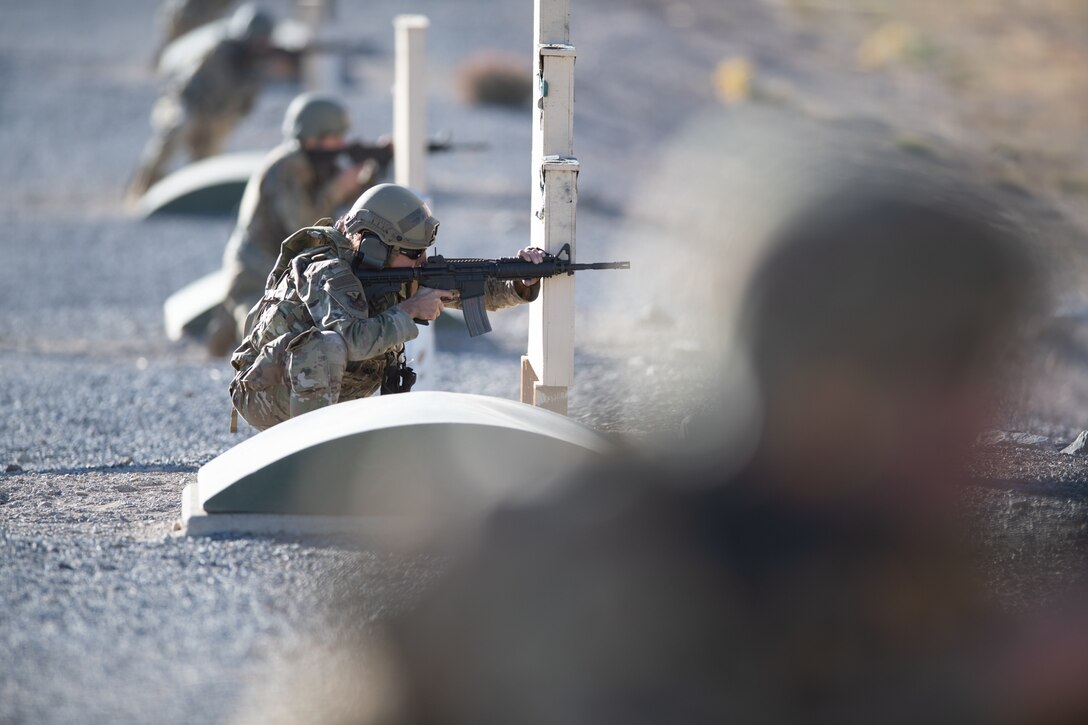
(109, 618)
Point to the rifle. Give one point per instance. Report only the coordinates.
(360, 152)
(469, 277)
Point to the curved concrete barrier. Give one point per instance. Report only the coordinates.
(211, 187)
(189, 310)
(427, 456)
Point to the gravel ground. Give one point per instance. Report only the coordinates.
(108, 618)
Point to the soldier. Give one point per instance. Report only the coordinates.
(819, 582)
(178, 17)
(298, 184)
(204, 100)
(317, 337)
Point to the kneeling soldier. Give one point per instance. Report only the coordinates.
(298, 183)
(317, 337)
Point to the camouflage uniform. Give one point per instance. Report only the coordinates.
(316, 338)
(200, 107)
(288, 193)
(178, 17)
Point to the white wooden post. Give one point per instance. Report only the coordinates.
(319, 72)
(410, 144)
(410, 102)
(547, 372)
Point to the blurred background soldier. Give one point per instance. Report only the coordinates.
(319, 337)
(207, 96)
(178, 17)
(299, 183)
(816, 579)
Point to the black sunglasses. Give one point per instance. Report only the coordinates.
(412, 253)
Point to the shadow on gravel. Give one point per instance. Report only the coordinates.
(1077, 490)
(151, 468)
(310, 543)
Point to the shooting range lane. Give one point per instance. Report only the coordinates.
(107, 618)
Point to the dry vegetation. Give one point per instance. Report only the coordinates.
(495, 79)
(1016, 72)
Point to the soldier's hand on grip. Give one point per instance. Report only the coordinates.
(426, 304)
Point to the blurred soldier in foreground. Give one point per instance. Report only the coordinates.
(299, 183)
(178, 17)
(202, 101)
(820, 580)
(318, 337)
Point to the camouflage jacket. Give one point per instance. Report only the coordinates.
(316, 288)
(223, 83)
(285, 195)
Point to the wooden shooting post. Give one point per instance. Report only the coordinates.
(410, 142)
(410, 102)
(547, 371)
(318, 69)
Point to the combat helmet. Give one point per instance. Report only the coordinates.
(312, 116)
(399, 218)
(250, 24)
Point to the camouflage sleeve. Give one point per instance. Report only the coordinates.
(336, 302)
(329, 195)
(501, 294)
(292, 201)
(326, 198)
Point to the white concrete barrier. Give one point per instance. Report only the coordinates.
(430, 458)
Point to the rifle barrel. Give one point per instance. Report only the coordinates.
(600, 265)
(508, 268)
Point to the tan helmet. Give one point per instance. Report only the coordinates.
(313, 116)
(396, 215)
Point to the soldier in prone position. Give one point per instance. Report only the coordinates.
(298, 183)
(205, 99)
(317, 337)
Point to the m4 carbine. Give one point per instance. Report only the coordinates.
(360, 152)
(469, 277)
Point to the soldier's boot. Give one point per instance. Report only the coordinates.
(222, 333)
(316, 361)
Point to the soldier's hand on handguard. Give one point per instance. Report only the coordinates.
(347, 181)
(426, 304)
(534, 255)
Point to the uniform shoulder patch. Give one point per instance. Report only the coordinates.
(343, 279)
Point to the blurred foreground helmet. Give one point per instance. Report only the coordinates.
(397, 215)
(250, 24)
(313, 116)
